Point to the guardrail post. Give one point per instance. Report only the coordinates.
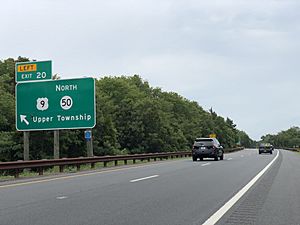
(93, 165)
(61, 169)
(149, 159)
(41, 171)
(78, 167)
(133, 161)
(116, 162)
(154, 158)
(17, 173)
(105, 164)
(125, 162)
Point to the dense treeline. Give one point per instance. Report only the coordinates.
(289, 138)
(132, 117)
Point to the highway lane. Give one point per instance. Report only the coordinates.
(275, 199)
(172, 192)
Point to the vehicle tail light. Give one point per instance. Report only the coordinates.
(213, 148)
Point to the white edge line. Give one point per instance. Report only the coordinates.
(229, 159)
(218, 215)
(144, 178)
(205, 164)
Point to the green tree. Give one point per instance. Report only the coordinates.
(132, 117)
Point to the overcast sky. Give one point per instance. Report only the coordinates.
(240, 57)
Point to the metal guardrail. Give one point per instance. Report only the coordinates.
(227, 150)
(292, 149)
(18, 166)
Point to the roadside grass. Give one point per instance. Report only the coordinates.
(28, 173)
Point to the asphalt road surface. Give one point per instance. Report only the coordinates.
(175, 192)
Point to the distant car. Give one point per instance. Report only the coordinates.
(207, 148)
(265, 148)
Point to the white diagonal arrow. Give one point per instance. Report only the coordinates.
(23, 118)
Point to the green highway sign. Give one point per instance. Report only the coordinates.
(55, 104)
(33, 71)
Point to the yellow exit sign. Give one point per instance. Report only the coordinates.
(27, 68)
(212, 135)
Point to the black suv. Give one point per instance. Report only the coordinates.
(207, 148)
(265, 148)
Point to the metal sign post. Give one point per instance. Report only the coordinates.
(56, 144)
(26, 146)
(89, 143)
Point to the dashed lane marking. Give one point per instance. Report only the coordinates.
(79, 175)
(143, 178)
(61, 197)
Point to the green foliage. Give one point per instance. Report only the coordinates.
(132, 117)
(289, 138)
(7, 106)
(245, 140)
(10, 147)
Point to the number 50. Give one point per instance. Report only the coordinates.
(66, 102)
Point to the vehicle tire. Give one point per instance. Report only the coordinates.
(259, 152)
(194, 158)
(201, 158)
(222, 157)
(271, 152)
(216, 158)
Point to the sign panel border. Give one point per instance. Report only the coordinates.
(58, 128)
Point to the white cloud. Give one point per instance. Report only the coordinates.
(237, 56)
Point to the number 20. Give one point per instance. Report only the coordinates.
(41, 75)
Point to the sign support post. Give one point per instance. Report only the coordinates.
(26, 146)
(56, 144)
(89, 143)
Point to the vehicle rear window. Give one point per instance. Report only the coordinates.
(265, 146)
(204, 141)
